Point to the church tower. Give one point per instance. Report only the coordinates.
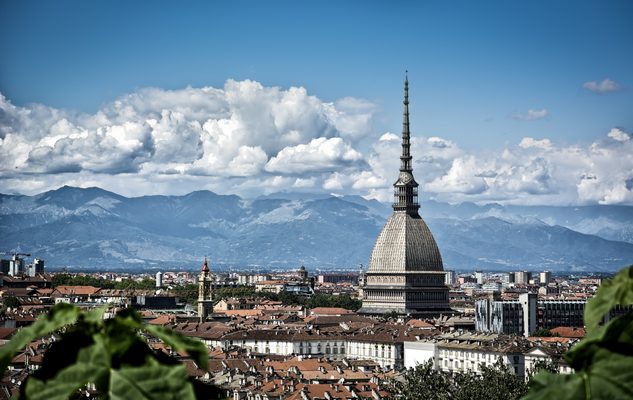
(405, 272)
(205, 294)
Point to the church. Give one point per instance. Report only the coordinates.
(405, 272)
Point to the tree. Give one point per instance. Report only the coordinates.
(603, 360)
(422, 382)
(495, 382)
(544, 332)
(113, 355)
(12, 302)
(425, 382)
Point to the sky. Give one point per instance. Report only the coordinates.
(511, 102)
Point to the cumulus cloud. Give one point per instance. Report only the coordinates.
(605, 86)
(320, 154)
(534, 171)
(249, 139)
(531, 115)
(619, 135)
(231, 131)
(460, 178)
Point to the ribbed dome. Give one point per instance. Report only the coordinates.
(405, 244)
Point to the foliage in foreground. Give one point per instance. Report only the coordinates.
(111, 354)
(603, 360)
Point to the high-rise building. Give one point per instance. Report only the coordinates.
(159, 280)
(544, 278)
(479, 277)
(522, 277)
(450, 277)
(205, 294)
(405, 272)
(527, 314)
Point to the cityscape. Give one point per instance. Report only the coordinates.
(236, 237)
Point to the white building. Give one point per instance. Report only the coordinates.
(419, 353)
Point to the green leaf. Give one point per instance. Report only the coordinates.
(92, 366)
(618, 290)
(609, 377)
(194, 347)
(616, 336)
(61, 314)
(545, 385)
(94, 316)
(151, 381)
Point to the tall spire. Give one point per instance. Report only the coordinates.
(406, 188)
(405, 158)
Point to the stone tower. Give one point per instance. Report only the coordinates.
(405, 272)
(205, 293)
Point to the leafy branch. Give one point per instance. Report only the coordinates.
(111, 355)
(603, 360)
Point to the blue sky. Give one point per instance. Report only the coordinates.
(484, 75)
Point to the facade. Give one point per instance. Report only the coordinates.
(450, 278)
(405, 273)
(499, 317)
(338, 278)
(544, 278)
(479, 277)
(159, 280)
(388, 352)
(522, 277)
(36, 268)
(251, 279)
(553, 313)
(205, 292)
(469, 352)
(526, 315)
(272, 286)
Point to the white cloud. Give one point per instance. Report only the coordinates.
(460, 178)
(619, 135)
(232, 131)
(528, 142)
(320, 154)
(531, 115)
(605, 86)
(249, 139)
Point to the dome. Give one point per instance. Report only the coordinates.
(405, 244)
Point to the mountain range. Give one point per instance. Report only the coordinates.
(91, 228)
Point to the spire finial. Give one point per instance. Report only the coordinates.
(406, 188)
(205, 265)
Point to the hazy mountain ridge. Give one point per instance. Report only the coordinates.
(96, 228)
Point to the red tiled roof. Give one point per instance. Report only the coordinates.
(76, 290)
(418, 323)
(569, 332)
(330, 311)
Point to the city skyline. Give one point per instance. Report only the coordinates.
(518, 104)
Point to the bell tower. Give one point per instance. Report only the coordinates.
(205, 292)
